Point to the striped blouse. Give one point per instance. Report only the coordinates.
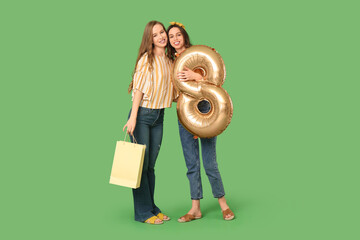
(156, 85)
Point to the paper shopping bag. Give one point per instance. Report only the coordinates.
(127, 165)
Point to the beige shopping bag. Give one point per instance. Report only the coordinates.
(128, 163)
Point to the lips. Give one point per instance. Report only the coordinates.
(162, 41)
(176, 43)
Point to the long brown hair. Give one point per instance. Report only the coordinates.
(170, 49)
(146, 46)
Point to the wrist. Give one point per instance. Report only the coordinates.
(132, 117)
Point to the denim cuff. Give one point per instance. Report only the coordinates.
(196, 198)
(220, 196)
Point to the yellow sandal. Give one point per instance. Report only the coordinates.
(152, 220)
(161, 217)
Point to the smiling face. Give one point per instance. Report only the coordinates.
(159, 36)
(176, 39)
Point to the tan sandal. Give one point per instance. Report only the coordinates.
(162, 217)
(152, 220)
(187, 218)
(228, 212)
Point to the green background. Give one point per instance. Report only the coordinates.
(289, 158)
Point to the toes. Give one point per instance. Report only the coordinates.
(158, 221)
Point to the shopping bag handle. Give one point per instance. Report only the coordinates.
(126, 134)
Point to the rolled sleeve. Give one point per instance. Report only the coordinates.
(142, 78)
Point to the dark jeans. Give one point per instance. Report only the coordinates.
(148, 131)
(191, 154)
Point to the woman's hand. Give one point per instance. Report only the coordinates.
(188, 74)
(130, 125)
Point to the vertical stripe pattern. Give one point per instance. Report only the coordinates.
(156, 85)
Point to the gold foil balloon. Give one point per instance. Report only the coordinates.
(206, 61)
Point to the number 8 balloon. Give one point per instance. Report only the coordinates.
(209, 63)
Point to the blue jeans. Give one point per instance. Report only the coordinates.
(148, 131)
(191, 154)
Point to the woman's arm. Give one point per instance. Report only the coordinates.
(188, 74)
(131, 123)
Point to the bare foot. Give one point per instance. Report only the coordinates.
(157, 221)
(194, 214)
(224, 206)
(194, 211)
(166, 218)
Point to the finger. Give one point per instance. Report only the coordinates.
(124, 127)
(186, 68)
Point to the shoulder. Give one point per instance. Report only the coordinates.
(144, 57)
(143, 61)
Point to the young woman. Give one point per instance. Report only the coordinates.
(152, 92)
(179, 40)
